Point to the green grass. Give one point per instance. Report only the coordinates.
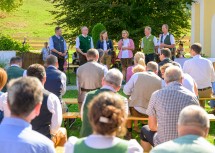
(32, 19)
(75, 128)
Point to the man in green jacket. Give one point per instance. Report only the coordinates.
(112, 83)
(15, 70)
(148, 45)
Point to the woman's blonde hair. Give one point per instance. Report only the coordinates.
(3, 78)
(139, 58)
(125, 31)
(107, 114)
(101, 38)
(138, 68)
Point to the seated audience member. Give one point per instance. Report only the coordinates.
(3, 81)
(180, 51)
(187, 81)
(212, 102)
(165, 57)
(25, 97)
(152, 67)
(107, 117)
(55, 79)
(112, 83)
(101, 56)
(201, 70)
(50, 118)
(89, 75)
(140, 88)
(164, 108)
(139, 58)
(193, 128)
(45, 51)
(15, 70)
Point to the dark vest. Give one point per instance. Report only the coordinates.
(58, 44)
(85, 43)
(167, 40)
(42, 122)
(53, 81)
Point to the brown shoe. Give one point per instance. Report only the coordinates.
(128, 136)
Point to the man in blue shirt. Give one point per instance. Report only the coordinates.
(58, 48)
(16, 135)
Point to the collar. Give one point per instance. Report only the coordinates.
(108, 87)
(84, 35)
(57, 36)
(15, 65)
(16, 122)
(51, 66)
(174, 83)
(197, 56)
(166, 34)
(148, 36)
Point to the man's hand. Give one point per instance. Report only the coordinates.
(85, 54)
(64, 54)
(162, 45)
(59, 53)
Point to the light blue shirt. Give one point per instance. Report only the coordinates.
(51, 44)
(17, 136)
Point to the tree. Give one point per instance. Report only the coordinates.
(9, 5)
(97, 29)
(132, 15)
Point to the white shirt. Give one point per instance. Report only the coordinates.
(155, 41)
(201, 70)
(104, 45)
(129, 88)
(187, 82)
(78, 42)
(105, 87)
(53, 105)
(102, 142)
(125, 43)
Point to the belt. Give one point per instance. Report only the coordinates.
(88, 90)
(204, 89)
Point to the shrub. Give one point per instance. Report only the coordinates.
(8, 43)
(97, 29)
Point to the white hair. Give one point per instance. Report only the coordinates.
(84, 27)
(194, 115)
(114, 76)
(173, 73)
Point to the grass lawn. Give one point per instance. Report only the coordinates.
(32, 19)
(75, 128)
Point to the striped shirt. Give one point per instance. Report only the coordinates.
(165, 105)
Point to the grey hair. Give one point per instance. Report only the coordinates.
(114, 77)
(148, 28)
(23, 95)
(51, 60)
(173, 73)
(166, 25)
(194, 115)
(153, 66)
(84, 27)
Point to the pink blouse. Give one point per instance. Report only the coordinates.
(130, 52)
(129, 73)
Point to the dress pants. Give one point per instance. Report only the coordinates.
(61, 64)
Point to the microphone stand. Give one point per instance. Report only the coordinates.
(23, 45)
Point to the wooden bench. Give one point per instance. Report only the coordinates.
(70, 101)
(69, 115)
(211, 98)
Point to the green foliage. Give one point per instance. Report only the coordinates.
(97, 29)
(10, 5)
(117, 15)
(8, 43)
(3, 63)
